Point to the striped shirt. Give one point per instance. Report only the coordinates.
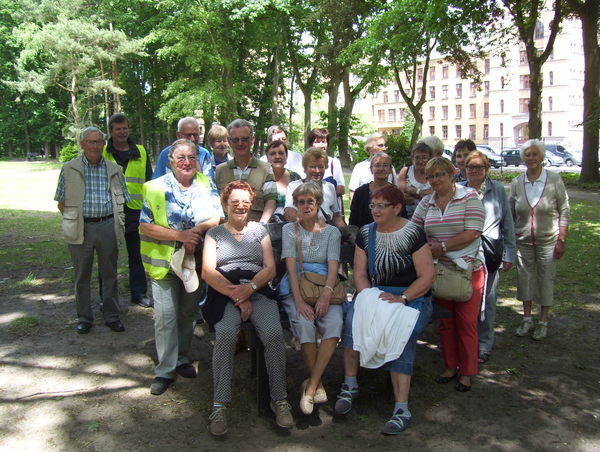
(97, 201)
(269, 187)
(464, 212)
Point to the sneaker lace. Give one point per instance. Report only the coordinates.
(399, 419)
(218, 414)
(283, 407)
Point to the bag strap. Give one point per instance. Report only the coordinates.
(298, 246)
(327, 219)
(371, 253)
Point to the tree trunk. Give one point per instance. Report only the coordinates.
(332, 112)
(141, 118)
(344, 121)
(591, 89)
(276, 77)
(535, 99)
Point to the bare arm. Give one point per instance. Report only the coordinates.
(455, 243)
(61, 207)
(340, 190)
(361, 274)
(338, 220)
(423, 262)
(268, 211)
(210, 274)
(189, 237)
(290, 214)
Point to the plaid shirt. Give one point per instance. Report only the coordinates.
(97, 201)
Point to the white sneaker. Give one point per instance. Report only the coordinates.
(540, 332)
(526, 325)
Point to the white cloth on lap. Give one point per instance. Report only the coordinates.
(380, 330)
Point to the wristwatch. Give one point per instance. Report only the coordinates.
(418, 192)
(254, 286)
(444, 247)
(562, 240)
(404, 298)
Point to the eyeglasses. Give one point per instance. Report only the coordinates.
(436, 175)
(243, 140)
(183, 158)
(237, 202)
(310, 202)
(95, 143)
(475, 168)
(190, 135)
(379, 206)
(382, 165)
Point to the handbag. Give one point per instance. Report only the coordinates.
(313, 284)
(492, 250)
(453, 284)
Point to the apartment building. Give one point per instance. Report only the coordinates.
(496, 113)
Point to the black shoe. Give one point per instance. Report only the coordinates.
(443, 380)
(160, 385)
(116, 326)
(462, 387)
(84, 327)
(144, 302)
(186, 370)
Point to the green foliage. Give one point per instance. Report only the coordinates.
(571, 180)
(68, 152)
(398, 147)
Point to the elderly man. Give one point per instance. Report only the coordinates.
(189, 129)
(294, 159)
(137, 169)
(245, 167)
(361, 174)
(91, 195)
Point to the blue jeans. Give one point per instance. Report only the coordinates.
(404, 363)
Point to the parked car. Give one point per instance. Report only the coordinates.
(570, 155)
(512, 157)
(492, 149)
(552, 159)
(496, 160)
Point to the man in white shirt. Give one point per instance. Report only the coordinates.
(361, 174)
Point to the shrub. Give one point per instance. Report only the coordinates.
(69, 152)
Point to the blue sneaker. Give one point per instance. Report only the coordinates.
(397, 424)
(344, 403)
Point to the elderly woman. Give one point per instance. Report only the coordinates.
(392, 254)
(319, 138)
(540, 207)
(177, 209)
(411, 179)
(217, 140)
(436, 145)
(238, 264)
(498, 241)
(453, 218)
(277, 153)
(459, 157)
(360, 174)
(320, 248)
(360, 212)
(315, 162)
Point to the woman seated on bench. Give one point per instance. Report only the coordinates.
(238, 264)
(320, 245)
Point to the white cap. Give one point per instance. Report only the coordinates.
(184, 266)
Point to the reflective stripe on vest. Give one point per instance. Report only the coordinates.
(157, 254)
(135, 176)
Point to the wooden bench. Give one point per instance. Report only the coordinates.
(257, 350)
(32, 156)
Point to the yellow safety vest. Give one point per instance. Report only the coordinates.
(157, 254)
(135, 176)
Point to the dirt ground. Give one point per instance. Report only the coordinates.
(61, 391)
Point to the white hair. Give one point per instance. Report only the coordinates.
(436, 145)
(187, 120)
(534, 142)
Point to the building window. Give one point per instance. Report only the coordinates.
(392, 115)
(523, 57)
(381, 115)
(385, 97)
(431, 130)
(472, 111)
(550, 103)
(502, 82)
(432, 73)
(444, 91)
(458, 73)
(551, 78)
(444, 71)
(458, 90)
(486, 65)
(458, 111)
(373, 110)
(524, 105)
(473, 89)
(486, 88)
(486, 131)
(525, 81)
(444, 132)
(501, 105)
(549, 128)
(501, 129)
(420, 74)
(486, 110)
(402, 114)
(444, 111)
(432, 93)
(396, 96)
(408, 92)
(458, 130)
(539, 30)
(432, 113)
(472, 132)
(419, 93)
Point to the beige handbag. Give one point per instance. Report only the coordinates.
(453, 283)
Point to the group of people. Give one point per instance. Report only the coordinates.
(198, 220)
